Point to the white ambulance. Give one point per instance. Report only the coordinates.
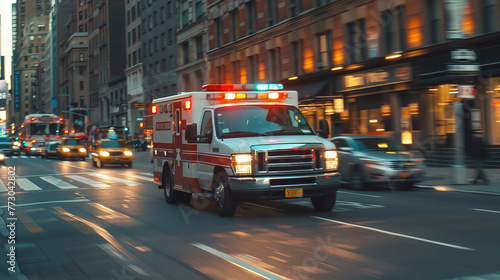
(241, 142)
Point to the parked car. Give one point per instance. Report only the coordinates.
(112, 151)
(72, 147)
(51, 149)
(5, 146)
(374, 159)
(36, 149)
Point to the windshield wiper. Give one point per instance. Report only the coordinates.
(286, 132)
(240, 134)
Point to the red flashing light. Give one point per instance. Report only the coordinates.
(33, 118)
(33, 141)
(154, 109)
(73, 131)
(187, 105)
(241, 87)
(61, 119)
(66, 131)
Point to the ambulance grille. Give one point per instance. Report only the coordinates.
(287, 161)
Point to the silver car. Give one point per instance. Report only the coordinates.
(367, 159)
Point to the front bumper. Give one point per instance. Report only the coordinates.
(116, 159)
(274, 187)
(74, 154)
(383, 174)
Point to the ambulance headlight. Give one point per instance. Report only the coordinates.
(331, 160)
(242, 164)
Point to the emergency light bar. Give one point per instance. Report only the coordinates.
(241, 87)
(247, 96)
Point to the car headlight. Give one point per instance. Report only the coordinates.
(128, 153)
(331, 160)
(83, 150)
(2, 156)
(104, 153)
(66, 150)
(242, 164)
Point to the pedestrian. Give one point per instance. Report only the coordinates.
(479, 153)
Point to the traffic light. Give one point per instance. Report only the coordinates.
(141, 124)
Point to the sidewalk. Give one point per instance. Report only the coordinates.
(443, 179)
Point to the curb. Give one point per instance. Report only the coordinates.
(452, 189)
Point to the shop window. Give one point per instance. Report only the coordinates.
(324, 51)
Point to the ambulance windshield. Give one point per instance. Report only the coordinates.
(260, 120)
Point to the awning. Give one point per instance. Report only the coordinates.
(309, 90)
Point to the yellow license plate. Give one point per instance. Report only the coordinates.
(293, 192)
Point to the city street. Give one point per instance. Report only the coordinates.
(76, 221)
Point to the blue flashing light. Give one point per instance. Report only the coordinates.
(113, 137)
(269, 86)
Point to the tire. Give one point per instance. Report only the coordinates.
(171, 196)
(129, 165)
(324, 203)
(356, 180)
(225, 202)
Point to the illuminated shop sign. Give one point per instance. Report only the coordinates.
(377, 77)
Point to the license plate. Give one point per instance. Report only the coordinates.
(117, 158)
(293, 192)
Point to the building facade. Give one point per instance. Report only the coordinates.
(370, 67)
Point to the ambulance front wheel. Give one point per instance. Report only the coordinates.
(170, 194)
(224, 200)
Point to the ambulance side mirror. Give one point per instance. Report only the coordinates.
(191, 129)
(324, 129)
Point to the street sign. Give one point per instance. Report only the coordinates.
(463, 67)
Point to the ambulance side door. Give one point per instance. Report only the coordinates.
(205, 151)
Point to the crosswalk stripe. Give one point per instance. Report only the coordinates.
(23, 157)
(87, 181)
(140, 177)
(33, 157)
(127, 182)
(58, 182)
(14, 157)
(2, 187)
(27, 185)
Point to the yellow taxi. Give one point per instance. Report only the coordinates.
(72, 147)
(114, 151)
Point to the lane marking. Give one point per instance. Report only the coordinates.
(235, 261)
(49, 202)
(49, 174)
(106, 177)
(486, 210)
(27, 185)
(58, 182)
(2, 187)
(360, 194)
(28, 222)
(396, 234)
(75, 166)
(15, 157)
(138, 177)
(23, 156)
(87, 181)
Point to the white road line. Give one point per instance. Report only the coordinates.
(2, 187)
(48, 202)
(148, 174)
(139, 177)
(23, 156)
(87, 181)
(75, 166)
(27, 185)
(33, 157)
(14, 157)
(58, 182)
(368, 195)
(127, 182)
(251, 268)
(395, 234)
(485, 210)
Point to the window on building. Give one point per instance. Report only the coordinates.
(138, 8)
(199, 47)
(324, 51)
(128, 17)
(155, 18)
(82, 100)
(163, 41)
(351, 42)
(252, 67)
(295, 7)
(198, 9)
(489, 17)
(185, 52)
(80, 28)
(402, 27)
(132, 11)
(163, 15)
(80, 15)
(170, 36)
(156, 44)
(82, 85)
(81, 70)
(185, 13)
(234, 23)
(134, 58)
(218, 32)
(134, 36)
(81, 57)
(297, 57)
(128, 38)
(169, 8)
(272, 10)
(274, 72)
(433, 8)
(251, 16)
(388, 31)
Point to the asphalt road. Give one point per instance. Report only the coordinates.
(75, 221)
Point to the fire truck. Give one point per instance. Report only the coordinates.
(235, 143)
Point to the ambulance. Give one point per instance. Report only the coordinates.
(234, 143)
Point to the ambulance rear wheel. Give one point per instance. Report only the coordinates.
(168, 189)
(225, 202)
